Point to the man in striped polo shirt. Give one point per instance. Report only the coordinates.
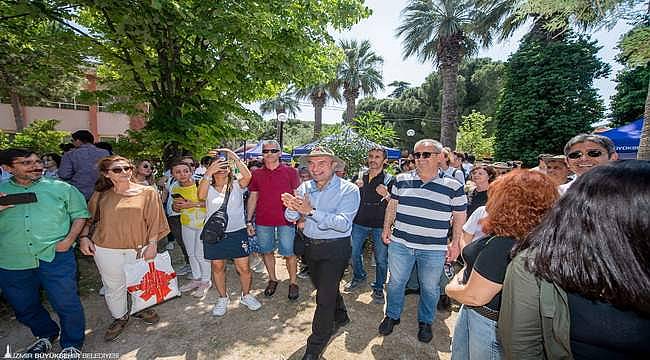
(416, 225)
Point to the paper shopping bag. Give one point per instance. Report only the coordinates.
(151, 282)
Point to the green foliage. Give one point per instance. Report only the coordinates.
(41, 136)
(4, 140)
(548, 97)
(473, 137)
(631, 91)
(635, 45)
(284, 102)
(370, 126)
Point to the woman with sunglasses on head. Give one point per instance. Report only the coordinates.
(218, 181)
(579, 286)
(586, 151)
(517, 203)
(128, 222)
(143, 173)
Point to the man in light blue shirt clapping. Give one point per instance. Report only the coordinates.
(328, 205)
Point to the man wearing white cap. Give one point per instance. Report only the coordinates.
(328, 204)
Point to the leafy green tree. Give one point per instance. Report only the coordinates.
(284, 102)
(359, 72)
(444, 31)
(318, 95)
(40, 59)
(193, 62)
(371, 126)
(400, 87)
(41, 136)
(628, 102)
(473, 137)
(548, 96)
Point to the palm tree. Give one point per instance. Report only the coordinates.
(284, 102)
(358, 72)
(444, 31)
(318, 95)
(400, 87)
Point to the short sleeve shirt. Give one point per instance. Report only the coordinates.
(270, 185)
(192, 217)
(235, 208)
(489, 257)
(29, 232)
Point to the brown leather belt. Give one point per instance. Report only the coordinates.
(486, 312)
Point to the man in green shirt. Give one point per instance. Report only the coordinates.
(36, 251)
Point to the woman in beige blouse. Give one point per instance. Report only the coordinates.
(130, 222)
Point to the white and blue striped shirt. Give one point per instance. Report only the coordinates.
(424, 210)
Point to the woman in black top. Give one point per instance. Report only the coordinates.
(517, 202)
(481, 176)
(579, 286)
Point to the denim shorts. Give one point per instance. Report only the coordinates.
(269, 236)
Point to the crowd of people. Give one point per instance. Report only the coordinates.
(546, 263)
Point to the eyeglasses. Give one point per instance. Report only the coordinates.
(578, 154)
(121, 169)
(424, 154)
(29, 162)
(274, 151)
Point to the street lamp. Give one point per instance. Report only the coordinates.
(282, 118)
(245, 129)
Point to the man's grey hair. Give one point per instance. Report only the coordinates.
(436, 144)
(603, 141)
(271, 142)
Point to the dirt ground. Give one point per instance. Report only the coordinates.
(278, 330)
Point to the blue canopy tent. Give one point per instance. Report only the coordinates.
(626, 138)
(348, 135)
(257, 152)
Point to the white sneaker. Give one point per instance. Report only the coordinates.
(190, 286)
(250, 301)
(102, 291)
(221, 306)
(202, 290)
(169, 246)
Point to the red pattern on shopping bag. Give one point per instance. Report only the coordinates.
(153, 283)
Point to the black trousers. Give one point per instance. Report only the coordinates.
(327, 261)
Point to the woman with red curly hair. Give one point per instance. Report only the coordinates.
(516, 204)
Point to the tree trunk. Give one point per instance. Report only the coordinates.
(16, 106)
(449, 109)
(350, 96)
(644, 142)
(318, 101)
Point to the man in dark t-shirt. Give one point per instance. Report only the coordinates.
(374, 187)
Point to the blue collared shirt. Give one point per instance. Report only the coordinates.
(336, 205)
(79, 167)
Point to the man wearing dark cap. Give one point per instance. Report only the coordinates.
(79, 166)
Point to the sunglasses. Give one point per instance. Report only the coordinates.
(591, 153)
(424, 154)
(274, 151)
(121, 169)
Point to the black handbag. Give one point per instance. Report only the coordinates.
(214, 229)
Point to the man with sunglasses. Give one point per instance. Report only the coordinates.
(265, 208)
(416, 225)
(586, 151)
(36, 252)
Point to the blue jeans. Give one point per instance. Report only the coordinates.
(475, 337)
(268, 236)
(21, 288)
(359, 235)
(429, 266)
